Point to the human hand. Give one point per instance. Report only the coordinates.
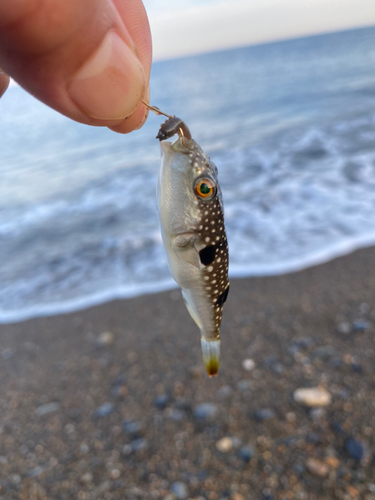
(88, 59)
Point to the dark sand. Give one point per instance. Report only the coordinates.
(296, 328)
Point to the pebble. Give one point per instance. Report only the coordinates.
(224, 391)
(274, 365)
(36, 471)
(317, 413)
(332, 462)
(324, 352)
(132, 428)
(15, 479)
(355, 448)
(303, 342)
(180, 490)
(87, 477)
(344, 327)
(316, 467)
(244, 385)
(236, 496)
(248, 365)
(7, 354)
(205, 411)
(175, 415)
(246, 453)
(312, 397)
(225, 444)
(264, 414)
(104, 410)
(161, 401)
(104, 339)
(137, 445)
(361, 325)
(47, 408)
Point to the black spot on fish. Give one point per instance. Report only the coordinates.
(222, 297)
(207, 255)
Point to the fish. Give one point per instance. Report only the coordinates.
(191, 211)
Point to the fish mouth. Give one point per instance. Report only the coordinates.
(211, 355)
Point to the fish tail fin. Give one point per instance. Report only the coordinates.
(211, 355)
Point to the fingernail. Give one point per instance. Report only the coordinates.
(111, 84)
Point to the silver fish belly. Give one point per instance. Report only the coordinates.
(192, 223)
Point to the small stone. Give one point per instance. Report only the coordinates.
(180, 490)
(161, 401)
(47, 408)
(264, 414)
(303, 342)
(236, 496)
(104, 339)
(205, 411)
(344, 328)
(355, 448)
(139, 444)
(36, 471)
(244, 385)
(104, 410)
(175, 415)
(126, 449)
(248, 365)
(246, 453)
(87, 477)
(312, 397)
(224, 391)
(119, 390)
(316, 467)
(361, 325)
(291, 417)
(274, 365)
(224, 444)
(115, 474)
(332, 462)
(15, 479)
(132, 428)
(84, 448)
(317, 413)
(324, 352)
(7, 354)
(353, 492)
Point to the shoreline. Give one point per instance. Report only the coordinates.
(236, 272)
(301, 330)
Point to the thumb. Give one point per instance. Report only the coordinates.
(90, 60)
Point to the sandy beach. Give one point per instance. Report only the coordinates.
(113, 402)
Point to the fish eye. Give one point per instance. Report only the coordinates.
(205, 188)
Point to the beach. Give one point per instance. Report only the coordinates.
(113, 402)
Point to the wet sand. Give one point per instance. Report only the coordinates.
(118, 416)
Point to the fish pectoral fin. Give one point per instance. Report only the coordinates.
(183, 245)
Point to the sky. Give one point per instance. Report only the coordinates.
(185, 27)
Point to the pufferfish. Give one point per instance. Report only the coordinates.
(192, 224)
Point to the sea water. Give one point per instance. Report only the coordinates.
(290, 125)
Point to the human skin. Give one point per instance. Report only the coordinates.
(88, 59)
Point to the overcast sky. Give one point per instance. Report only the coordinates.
(183, 27)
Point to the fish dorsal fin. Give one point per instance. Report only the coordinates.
(184, 247)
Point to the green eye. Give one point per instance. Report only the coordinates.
(205, 188)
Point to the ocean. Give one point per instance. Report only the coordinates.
(290, 126)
